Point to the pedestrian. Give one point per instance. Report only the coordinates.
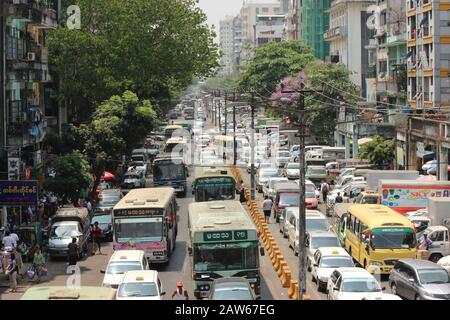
(8, 241)
(180, 293)
(22, 248)
(267, 208)
(53, 203)
(324, 189)
(242, 191)
(89, 206)
(73, 252)
(339, 198)
(38, 263)
(15, 237)
(425, 243)
(96, 232)
(12, 270)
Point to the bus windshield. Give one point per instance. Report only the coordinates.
(209, 189)
(393, 238)
(138, 229)
(226, 256)
(170, 147)
(168, 170)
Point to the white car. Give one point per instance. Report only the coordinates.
(352, 284)
(325, 261)
(263, 176)
(292, 170)
(121, 262)
(140, 285)
(269, 188)
(445, 263)
(319, 239)
(282, 158)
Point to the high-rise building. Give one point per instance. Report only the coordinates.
(28, 110)
(315, 21)
(226, 35)
(270, 28)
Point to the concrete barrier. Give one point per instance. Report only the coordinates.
(292, 288)
(285, 277)
(295, 294)
(283, 263)
(275, 253)
(278, 260)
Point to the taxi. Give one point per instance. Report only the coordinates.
(121, 262)
(140, 285)
(325, 261)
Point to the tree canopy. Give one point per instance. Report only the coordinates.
(151, 47)
(271, 63)
(71, 176)
(379, 151)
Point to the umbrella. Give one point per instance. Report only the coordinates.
(427, 178)
(108, 176)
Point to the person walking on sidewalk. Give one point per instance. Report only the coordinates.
(38, 263)
(267, 208)
(96, 233)
(180, 293)
(324, 189)
(12, 270)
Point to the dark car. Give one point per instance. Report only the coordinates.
(232, 288)
(415, 279)
(105, 224)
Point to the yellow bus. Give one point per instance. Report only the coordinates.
(377, 236)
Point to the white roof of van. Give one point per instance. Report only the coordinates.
(127, 255)
(140, 276)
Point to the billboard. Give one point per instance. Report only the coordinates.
(16, 193)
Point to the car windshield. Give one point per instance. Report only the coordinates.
(393, 238)
(235, 293)
(265, 174)
(274, 182)
(310, 194)
(289, 199)
(336, 262)
(317, 171)
(102, 219)
(293, 165)
(433, 276)
(265, 165)
(360, 285)
(316, 224)
(137, 289)
(283, 154)
(108, 201)
(319, 242)
(122, 267)
(310, 188)
(369, 200)
(64, 231)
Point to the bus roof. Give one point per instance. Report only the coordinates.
(218, 215)
(173, 126)
(378, 216)
(148, 197)
(65, 293)
(177, 140)
(212, 171)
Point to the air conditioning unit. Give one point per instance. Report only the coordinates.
(31, 56)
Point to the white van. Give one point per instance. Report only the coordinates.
(140, 285)
(121, 262)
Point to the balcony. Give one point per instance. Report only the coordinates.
(387, 84)
(334, 33)
(396, 39)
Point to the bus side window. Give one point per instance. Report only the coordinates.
(351, 224)
(357, 225)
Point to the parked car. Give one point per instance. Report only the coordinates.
(282, 158)
(263, 176)
(352, 284)
(140, 285)
(445, 263)
(269, 188)
(317, 174)
(292, 170)
(414, 279)
(232, 288)
(319, 239)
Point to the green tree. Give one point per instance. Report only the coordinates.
(71, 176)
(271, 63)
(151, 47)
(118, 125)
(379, 151)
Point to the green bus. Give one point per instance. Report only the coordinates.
(213, 183)
(223, 242)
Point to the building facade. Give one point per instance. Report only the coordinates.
(28, 111)
(315, 21)
(348, 36)
(226, 36)
(270, 28)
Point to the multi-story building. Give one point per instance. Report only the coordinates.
(238, 39)
(348, 35)
(291, 9)
(270, 28)
(423, 138)
(315, 21)
(27, 109)
(226, 35)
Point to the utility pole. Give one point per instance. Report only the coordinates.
(226, 113)
(252, 153)
(302, 203)
(234, 135)
(220, 117)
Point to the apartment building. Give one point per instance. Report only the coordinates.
(270, 28)
(226, 36)
(28, 111)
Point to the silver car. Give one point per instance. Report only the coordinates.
(414, 279)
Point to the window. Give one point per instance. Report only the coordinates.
(357, 224)
(437, 236)
(265, 10)
(351, 223)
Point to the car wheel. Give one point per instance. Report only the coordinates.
(435, 257)
(394, 289)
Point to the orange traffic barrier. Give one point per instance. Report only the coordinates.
(283, 263)
(306, 297)
(286, 277)
(275, 253)
(278, 260)
(295, 294)
(292, 288)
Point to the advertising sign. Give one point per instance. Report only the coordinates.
(18, 193)
(411, 197)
